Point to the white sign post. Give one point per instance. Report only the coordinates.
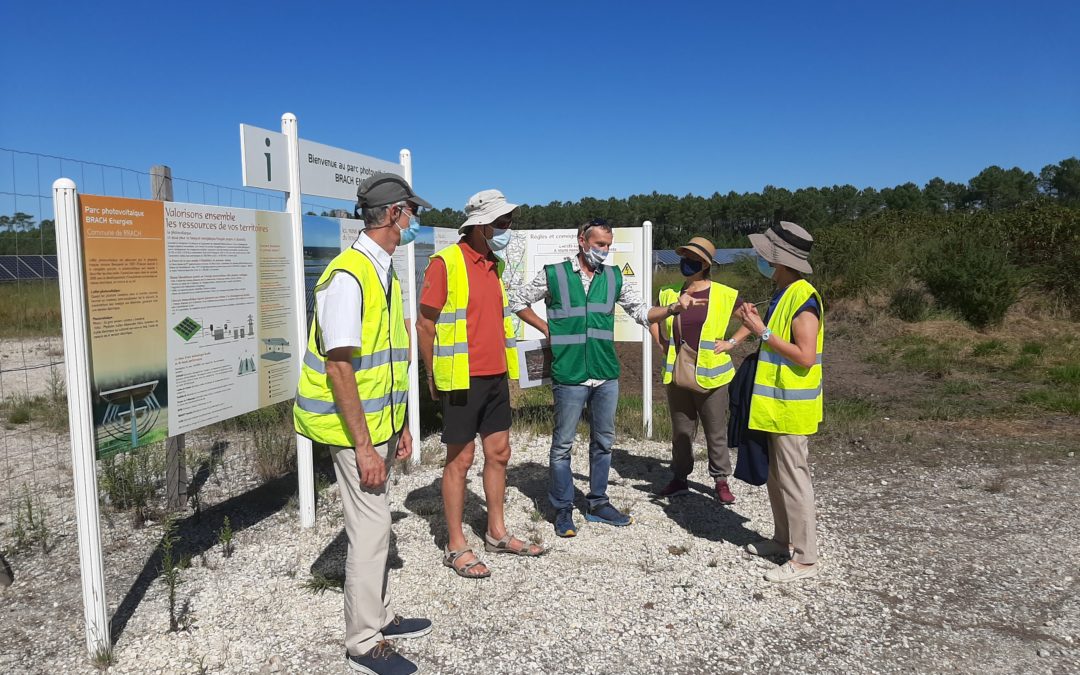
(80, 414)
(646, 342)
(287, 163)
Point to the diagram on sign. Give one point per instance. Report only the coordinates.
(247, 365)
(216, 331)
(275, 349)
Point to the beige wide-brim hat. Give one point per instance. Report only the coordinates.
(485, 207)
(785, 244)
(698, 247)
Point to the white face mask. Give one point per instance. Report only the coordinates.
(595, 257)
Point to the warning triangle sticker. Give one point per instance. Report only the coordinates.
(627, 270)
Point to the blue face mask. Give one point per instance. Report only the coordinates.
(765, 268)
(408, 235)
(500, 239)
(690, 267)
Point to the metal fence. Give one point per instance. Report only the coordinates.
(35, 455)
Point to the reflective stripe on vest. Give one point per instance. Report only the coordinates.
(712, 370)
(451, 349)
(787, 398)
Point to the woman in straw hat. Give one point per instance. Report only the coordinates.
(697, 369)
(786, 402)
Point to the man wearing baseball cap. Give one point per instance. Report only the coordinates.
(786, 402)
(467, 342)
(352, 396)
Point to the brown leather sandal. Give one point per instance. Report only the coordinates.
(492, 545)
(451, 557)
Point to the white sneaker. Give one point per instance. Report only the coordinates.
(767, 547)
(788, 572)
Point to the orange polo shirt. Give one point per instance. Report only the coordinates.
(483, 316)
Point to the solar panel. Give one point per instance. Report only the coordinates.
(724, 256)
(22, 267)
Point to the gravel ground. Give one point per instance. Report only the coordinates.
(962, 566)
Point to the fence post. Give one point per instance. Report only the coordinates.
(161, 188)
(305, 464)
(80, 413)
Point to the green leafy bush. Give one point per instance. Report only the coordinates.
(909, 304)
(969, 275)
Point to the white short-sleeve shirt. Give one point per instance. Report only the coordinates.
(339, 307)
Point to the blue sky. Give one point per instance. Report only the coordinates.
(555, 101)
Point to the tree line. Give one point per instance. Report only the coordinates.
(727, 218)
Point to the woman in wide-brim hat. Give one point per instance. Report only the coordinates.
(786, 402)
(696, 371)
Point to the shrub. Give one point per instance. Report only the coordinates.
(129, 480)
(909, 304)
(970, 276)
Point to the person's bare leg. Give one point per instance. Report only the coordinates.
(496, 456)
(459, 458)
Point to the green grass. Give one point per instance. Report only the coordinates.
(1068, 374)
(954, 387)
(29, 308)
(1054, 400)
(989, 348)
(1031, 348)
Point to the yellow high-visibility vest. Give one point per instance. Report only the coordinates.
(713, 370)
(381, 362)
(451, 351)
(787, 398)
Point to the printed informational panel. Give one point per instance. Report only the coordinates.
(325, 237)
(191, 315)
(530, 250)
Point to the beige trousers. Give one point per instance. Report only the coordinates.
(367, 525)
(791, 495)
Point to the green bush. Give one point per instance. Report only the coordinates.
(971, 276)
(909, 304)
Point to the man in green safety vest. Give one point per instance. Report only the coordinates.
(352, 396)
(580, 294)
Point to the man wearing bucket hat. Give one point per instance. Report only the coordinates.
(697, 370)
(580, 294)
(467, 342)
(786, 402)
(352, 396)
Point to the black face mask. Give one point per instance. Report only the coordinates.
(690, 267)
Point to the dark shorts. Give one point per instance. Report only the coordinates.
(486, 409)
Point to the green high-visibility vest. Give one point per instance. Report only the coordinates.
(713, 370)
(582, 326)
(787, 398)
(381, 362)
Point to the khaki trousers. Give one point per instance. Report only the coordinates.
(686, 407)
(367, 525)
(791, 495)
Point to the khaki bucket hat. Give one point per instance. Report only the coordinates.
(698, 247)
(485, 207)
(785, 244)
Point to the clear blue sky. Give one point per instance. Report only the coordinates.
(556, 100)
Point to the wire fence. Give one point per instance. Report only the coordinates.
(35, 456)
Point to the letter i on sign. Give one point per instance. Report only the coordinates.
(267, 156)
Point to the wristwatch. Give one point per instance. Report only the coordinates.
(765, 335)
(671, 309)
(733, 341)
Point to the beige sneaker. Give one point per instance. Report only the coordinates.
(767, 547)
(788, 572)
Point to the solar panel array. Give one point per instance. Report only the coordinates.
(724, 256)
(23, 267)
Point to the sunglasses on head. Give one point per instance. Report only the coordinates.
(597, 221)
